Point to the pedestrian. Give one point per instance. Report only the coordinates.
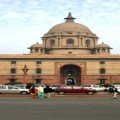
(40, 92)
(47, 91)
(114, 92)
(33, 92)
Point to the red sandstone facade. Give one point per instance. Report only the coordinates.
(69, 54)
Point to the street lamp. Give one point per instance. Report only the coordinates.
(25, 70)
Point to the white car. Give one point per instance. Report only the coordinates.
(118, 90)
(98, 88)
(13, 89)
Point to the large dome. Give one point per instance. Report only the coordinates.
(69, 26)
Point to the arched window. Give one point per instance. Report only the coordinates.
(102, 71)
(98, 50)
(52, 43)
(87, 43)
(38, 70)
(13, 70)
(70, 42)
(36, 50)
(108, 50)
(103, 50)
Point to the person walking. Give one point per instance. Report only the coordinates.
(114, 92)
(40, 92)
(47, 91)
(33, 92)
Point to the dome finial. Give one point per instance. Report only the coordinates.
(69, 14)
(69, 18)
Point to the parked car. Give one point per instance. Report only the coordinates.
(107, 86)
(13, 89)
(54, 86)
(98, 88)
(73, 89)
(20, 86)
(118, 89)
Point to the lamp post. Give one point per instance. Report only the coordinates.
(25, 70)
(33, 78)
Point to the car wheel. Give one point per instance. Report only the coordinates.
(90, 93)
(61, 93)
(23, 92)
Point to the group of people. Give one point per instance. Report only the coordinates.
(40, 92)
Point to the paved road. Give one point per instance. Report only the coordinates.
(59, 108)
(98, 95)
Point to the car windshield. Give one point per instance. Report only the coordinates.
(86, 85)
(95, 86)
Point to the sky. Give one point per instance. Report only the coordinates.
(24, 22)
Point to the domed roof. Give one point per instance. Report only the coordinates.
(36, 45)
(69, 26)
(102, 45)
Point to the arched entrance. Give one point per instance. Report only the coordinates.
(70, 81)
(70, 75)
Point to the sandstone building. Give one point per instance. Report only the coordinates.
(69, 54)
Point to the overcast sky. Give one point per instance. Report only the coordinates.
(24, 22)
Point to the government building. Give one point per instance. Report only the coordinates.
(69, 54)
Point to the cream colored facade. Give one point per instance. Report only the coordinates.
(69, 54)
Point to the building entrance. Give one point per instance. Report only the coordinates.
(70, 81)
(70, 75)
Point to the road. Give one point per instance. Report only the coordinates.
(98, 95)
(68, 107)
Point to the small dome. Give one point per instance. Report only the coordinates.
(102, 45)
(37, 45)
(69, 26)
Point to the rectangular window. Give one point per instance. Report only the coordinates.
(69, 32)
(102, 71)
(102, 62)
(38, 62)
(38, 81)
(13, 70)
(13, 62)
(12, 80)
(38, 71)
(102, 81)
